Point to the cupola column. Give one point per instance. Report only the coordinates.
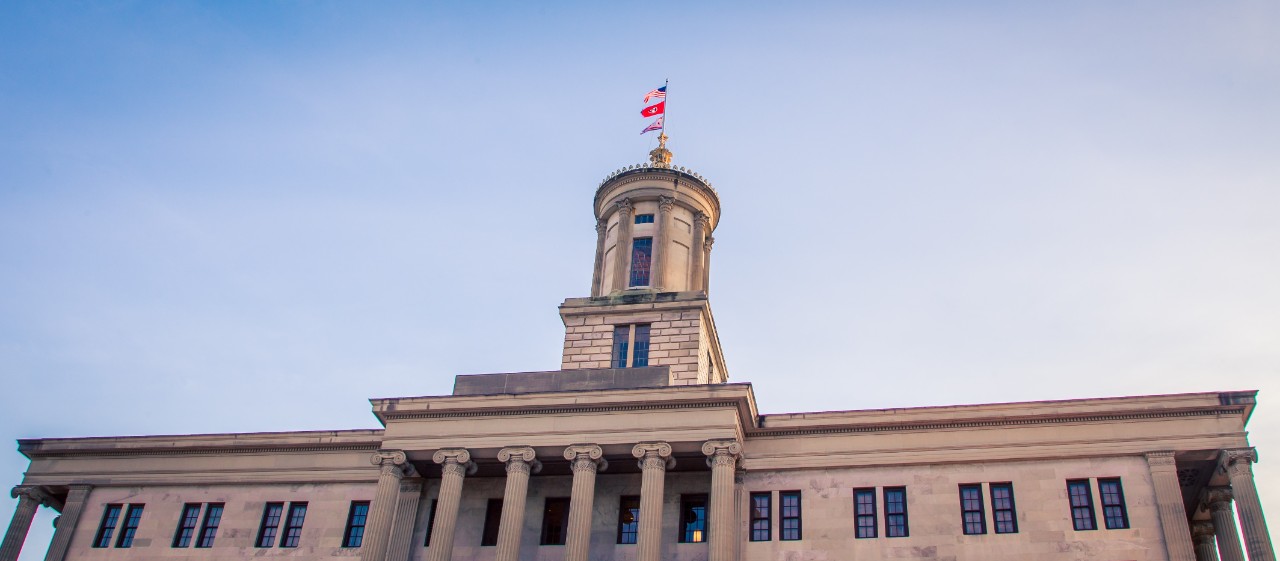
(585, 460)
(455, 464)
(722, 457)
(622, 246)
(706, 266)
(602, 228)
(654, 459)
(1224, 524)
(660, 237)
(1238, 465)
(699, 257)
(520, 463)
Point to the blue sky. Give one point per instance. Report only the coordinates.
(242, 216)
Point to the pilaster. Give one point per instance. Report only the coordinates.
(401, 544)
(66, 524)
(1173, 516)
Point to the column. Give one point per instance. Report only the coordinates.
(706, 265)
(520, 462)
(1173, 515)
(455, 464)
(1224, 523)
(700, 223)
(406, 518)
(66, 524)
(654, 459)
(622, 246)
(382, 511)
(29, 499)
(585, 460)
(1239, 467)
(660, 241)
(1202, 534)
(602, 227)
(722, 457)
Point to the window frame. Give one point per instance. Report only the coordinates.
(209, 528)
(492, 523)
(783, 531)
(859, 518)
(263, 526)
(967, 508)
(631, 345)
(294, 521)
(188, 521)
(107, 525)
(641, 263)
(352, 526)
(559, 523)
(688, 505)
(628, 530)
(1086, 508)
(1119, 504)
(129, 527)
(889, 514)
(767, 520)
(644, 218)
(995, 510)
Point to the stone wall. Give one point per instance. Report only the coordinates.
(676, 339)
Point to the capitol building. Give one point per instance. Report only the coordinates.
(642, 447)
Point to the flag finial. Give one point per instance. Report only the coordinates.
(660, 157)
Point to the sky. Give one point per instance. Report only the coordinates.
(250, 216)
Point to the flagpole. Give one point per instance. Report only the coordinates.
(665, 88)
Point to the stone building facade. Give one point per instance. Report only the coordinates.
(640, 449)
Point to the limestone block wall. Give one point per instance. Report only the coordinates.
(322, 531)
(676, 339)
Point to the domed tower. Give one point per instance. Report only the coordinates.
(648, 305)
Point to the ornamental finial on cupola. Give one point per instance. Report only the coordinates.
(660, 157)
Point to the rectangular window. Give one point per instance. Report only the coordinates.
(895, 512)
(110, 517)
(354, 534)
(209, 530)
(555, 521)
(644, 219)
(641, 345)
(693, 518)
(132, 518)
(761, 517)
(1081, 505)
(1113, 510)
(293, 525)
(972, 514)
(864, 512)
(790, 503)
(492, 518)
(270, 524)
(187, 525)
(431, 521)
(621, 344)
(628, 519)
(641, 252)
(1002, 509)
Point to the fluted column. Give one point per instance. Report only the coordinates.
(29, 500)
(602, 227)
(66, 524)
(401, 544)
(722, 457)
(585, 460)
(455, 464)
(654, 459)
(622, 246)
(658, 278)
(698, 251)
(706, 263)
(1206, 548)
(1239, 467)
(1173, 515)
(1224, 524)
(520, 462)
(382, 511)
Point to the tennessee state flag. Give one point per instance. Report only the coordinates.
(655, 109)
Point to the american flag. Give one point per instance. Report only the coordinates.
(654, 126)
(660, 93)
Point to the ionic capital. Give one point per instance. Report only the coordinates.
(1218, 498)
(585, 457)
(36, 494)
(665, 203)
(456, 461)
(653, 455)
(520, 459)
(1202, 531)
(393, 463)
(722, 452)
(1238, 461)
(1162, 459)
(624, 207)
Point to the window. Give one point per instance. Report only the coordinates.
(132, 518)
(1081, 505)
(630, 346)
(628, 519)
(492, 517)
(972, 515)
(895, 512)
(644, 219)
(186, 525)
(864, 512)
(1113, 511)
(555, 521)
(431, 521)
(293, 524)
(641, 252)
(209, 530)
(270, 524)
(761, 517)
(693, 518)
(356, 517)
(1002, 509)
(790, 503)
(110, 517)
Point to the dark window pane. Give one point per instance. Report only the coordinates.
(110, 517)
(761, 517)
(621, 338)
(132, 518)
(1081, 504)
(864, 508)
(693, 519)
(186, 525)
(356, 517)
(293, 525)
(641, 251)
(209, 531)
(270, 524)
(628, 519)
(790, 503)
(641, 344)
(973, 516)
(492, 517)
(431, 521)
(1113, 509)
(1002, 509)
(555, 521)
(895, 512)
(644, 219)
